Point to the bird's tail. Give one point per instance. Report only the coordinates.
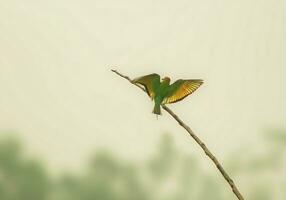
(157, 109)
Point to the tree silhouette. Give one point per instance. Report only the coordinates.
(168, 174)
(20, 178)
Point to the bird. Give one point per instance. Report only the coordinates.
(162, 92)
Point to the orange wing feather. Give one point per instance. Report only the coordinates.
(181, 89)
(150, 82)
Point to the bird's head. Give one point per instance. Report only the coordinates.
(166, 79)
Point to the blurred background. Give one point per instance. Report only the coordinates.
(71, 129)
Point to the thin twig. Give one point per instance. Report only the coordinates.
(198, 141)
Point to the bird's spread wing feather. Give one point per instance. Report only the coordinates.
(181, 89)
(150, 82)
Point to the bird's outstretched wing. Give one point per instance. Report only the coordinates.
(181, 89)
(150, 82)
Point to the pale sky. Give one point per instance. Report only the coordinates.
(59, 96)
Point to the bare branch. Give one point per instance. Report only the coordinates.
(198, 141)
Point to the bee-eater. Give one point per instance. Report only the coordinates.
(164, 93)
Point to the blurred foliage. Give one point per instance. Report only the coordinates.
(277, 136)
(168, 175)
(20, 178)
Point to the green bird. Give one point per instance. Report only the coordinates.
(164, 93)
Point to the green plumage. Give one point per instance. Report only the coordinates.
(163, 93)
